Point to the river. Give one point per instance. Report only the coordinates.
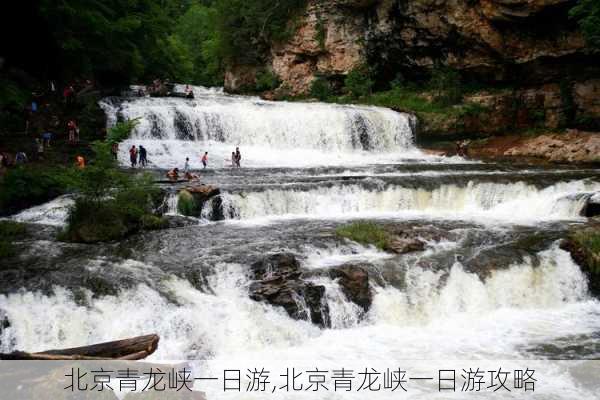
(481, 290)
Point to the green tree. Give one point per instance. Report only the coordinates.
(196, 29)
(446, 85)
(320, 89)
(358, 82)
(587, 14)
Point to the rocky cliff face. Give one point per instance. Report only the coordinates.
(530, 45)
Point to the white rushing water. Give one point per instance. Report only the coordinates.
(419, 311)
(517, 201)
(269, 133)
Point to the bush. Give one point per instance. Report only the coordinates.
(266, 80)
(26, 186)
(320, 89)
(367, 233)
(358, 82)
(587, 14)
(446, 85)
(111, 204)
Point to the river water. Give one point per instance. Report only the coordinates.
(491, 284)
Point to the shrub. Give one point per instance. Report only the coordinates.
(320, 89)
(587, 14)
(446, 85)
(27, 186)
(111, 204)
(358, 82)
(266, 80)
(367, 233)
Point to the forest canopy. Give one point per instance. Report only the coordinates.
(130, 41)
(127, 41)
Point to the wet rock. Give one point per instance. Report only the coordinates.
(279, 282)
(592, 206)
(276, 265)
(585, 255)
(405, 245)
(354, 281)
(193, 199)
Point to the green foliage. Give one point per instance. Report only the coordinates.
(358, 82)
(266, 80)
(186, 204)
(196, 29)
(26, 186)
(320, 89)
(588, 241)
(247, 27)
(587, 15)
(409, 100)
(367, 233)
(445, 83)
(116, 40)
(320, 33)
(9, 231)
(111, 203)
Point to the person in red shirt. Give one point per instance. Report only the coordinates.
(205, 159)
(133, 156)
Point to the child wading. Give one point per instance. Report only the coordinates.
(205, 159)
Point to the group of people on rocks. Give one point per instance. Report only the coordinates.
(174, 174)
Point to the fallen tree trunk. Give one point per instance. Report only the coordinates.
(136, 348)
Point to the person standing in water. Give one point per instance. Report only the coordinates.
(205, 159)
(186, 166)
(133, 156)
(238, 157)
(143, 156)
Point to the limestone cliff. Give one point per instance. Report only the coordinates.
(530, 46)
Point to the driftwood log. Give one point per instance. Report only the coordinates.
(136, 348)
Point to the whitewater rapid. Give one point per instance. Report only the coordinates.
(270, 134)
(491, 283)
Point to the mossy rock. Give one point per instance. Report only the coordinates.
(187, 204)
(584, 246)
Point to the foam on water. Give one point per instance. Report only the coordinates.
(516, 306)
(517, 201)
(288, 134)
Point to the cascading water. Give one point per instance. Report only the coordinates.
(269, 133)
(490, 283)
(515, 201)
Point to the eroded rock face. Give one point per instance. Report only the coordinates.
(572, 146)
(529, 44)
(279, 282)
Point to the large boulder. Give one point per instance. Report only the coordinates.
(193, 199)
(354, 281)
(278, 281)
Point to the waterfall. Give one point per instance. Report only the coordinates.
(269, 133)
(507, 201)
(231, 323)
